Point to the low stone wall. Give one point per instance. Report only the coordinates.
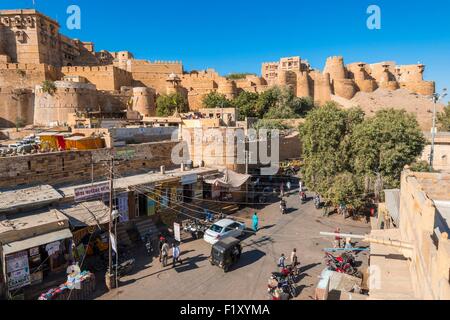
(79, 166)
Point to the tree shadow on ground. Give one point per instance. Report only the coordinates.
(248, 258)
(259, 242)
(305, 268)
(190, 263)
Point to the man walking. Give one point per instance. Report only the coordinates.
(294, 258)
(175, 254)
(337, 239)
(161, 240)
(282, 262)
(164, 253)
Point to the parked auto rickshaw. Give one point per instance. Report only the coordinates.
(225, 253)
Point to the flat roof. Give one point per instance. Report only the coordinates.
(139, 179)
(392, 277)
(435, 185)
(443, 223)
(20, 226)
(11, 199)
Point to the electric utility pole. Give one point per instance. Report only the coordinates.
(111, 208)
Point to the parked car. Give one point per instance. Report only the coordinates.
(223, 229)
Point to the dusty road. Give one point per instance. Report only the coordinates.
(196, 279)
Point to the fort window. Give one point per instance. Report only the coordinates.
(29, 165)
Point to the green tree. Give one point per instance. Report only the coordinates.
(345, 188)
(420, 166)
(20, 123)
(270, 124)
(48, 87)
(444, 119)
(325, 139)
(216, 100)
(166, 105)
(238, 76)
(385, 143)
(245, 104)
(281, 103)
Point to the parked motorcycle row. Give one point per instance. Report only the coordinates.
(345, 263)
(282, 285)
(195, 228)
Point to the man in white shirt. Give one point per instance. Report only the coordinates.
(176, 254)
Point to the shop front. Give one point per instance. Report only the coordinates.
(190, 187)
(35, 252)
(227, 185)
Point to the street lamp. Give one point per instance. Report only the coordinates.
(436, 98)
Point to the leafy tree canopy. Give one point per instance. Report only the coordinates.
(238, 76)
(386, 143)
(344, 153)
(216, 100)
(166, 105)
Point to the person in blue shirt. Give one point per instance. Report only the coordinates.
(255, 222)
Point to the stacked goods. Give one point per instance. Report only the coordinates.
(79, 288)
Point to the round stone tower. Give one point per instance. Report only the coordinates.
(144, 101)
(387, 80)
(67, 97)
(282, 78)
(227, 88)
(303, 87)
(335, 67)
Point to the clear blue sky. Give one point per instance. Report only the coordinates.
(237, 35)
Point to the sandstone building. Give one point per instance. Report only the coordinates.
(33, 51)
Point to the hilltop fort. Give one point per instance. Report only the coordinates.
(45, 76)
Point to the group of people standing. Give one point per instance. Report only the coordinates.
(293, 260)
(164, 249)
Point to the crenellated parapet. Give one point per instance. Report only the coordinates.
(344, 80)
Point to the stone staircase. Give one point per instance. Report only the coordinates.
(122, 235)
(145, 226)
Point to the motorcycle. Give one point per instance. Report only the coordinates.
(343, 264)
(303, 197)
(283, 207)
(148, 244)
(197, 230)
(317, 202)
(123, 268)
(280, 287)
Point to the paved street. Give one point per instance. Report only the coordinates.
(196, 279)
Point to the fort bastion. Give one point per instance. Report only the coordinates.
(32, 51)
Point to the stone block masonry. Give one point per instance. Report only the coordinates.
(78, 166)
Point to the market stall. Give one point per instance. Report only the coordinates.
(35, 249)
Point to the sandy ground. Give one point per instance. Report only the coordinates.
(422, 106)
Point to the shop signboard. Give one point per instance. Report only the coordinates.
(18, 270)
(165, 199)
(151, 207)
(189, 179)
(122, 203)
(91, 192)
(177, 231)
